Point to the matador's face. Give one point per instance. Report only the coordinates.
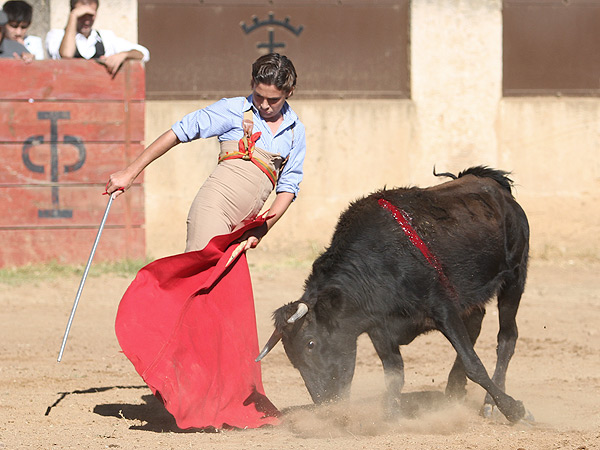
(268, 100)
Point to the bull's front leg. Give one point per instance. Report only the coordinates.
(393, 368)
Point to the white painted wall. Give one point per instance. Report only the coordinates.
(456, 72)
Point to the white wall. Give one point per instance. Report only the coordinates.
(456, 72)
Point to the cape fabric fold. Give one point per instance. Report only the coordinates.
(187, 324)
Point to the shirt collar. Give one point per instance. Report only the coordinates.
(93, 37)
(247, 103)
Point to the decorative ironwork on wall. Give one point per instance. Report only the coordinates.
(271, 22)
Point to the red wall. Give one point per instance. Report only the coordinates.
(65, 126)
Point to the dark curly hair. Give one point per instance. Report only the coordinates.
(275, 69)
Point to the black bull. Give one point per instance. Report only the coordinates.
(406, 261)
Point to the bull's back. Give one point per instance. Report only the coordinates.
(471, 226)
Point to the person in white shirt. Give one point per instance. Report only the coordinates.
(19, 15)
(80, 40)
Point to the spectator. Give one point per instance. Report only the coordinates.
(80, 40)
(8, 47)
(19, 14)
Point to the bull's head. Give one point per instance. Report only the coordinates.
(323, 352)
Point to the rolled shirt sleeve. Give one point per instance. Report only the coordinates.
(114, 44)
(214, 120)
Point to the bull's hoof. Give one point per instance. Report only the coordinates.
(491, 412)
(528, 419)
(391, 409)
(456, 392)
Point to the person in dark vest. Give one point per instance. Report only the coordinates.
(80, 40)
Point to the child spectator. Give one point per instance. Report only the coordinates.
(10, 48)
(19, 15)
(80, 40)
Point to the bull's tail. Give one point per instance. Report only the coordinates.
(444, 174)
(500, 176)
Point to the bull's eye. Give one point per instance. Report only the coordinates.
(310, 345)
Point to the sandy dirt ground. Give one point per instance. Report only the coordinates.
(94, 399)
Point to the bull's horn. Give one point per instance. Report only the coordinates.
(300, 312)
(272, 342)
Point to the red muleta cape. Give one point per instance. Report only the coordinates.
(187, 324)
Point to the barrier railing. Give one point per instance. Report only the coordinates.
(65, 126)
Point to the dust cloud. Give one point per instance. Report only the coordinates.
(422, 413)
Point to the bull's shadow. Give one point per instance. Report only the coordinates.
(412, 404)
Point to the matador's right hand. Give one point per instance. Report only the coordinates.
(118, 183)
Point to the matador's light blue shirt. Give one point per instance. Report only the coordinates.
(224, 120)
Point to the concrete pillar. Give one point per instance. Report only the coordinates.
(456, 62)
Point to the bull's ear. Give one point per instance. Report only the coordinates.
(328, 305)
(281, 316)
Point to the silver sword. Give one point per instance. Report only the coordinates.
(85, 273)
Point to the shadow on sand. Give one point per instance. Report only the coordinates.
(151, 413)
(154, 417)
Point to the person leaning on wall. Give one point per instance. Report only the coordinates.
(80, 40)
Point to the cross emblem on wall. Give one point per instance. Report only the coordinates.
(271, 23)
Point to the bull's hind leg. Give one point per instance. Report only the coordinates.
(509, 298)
(457, 379)
(452, 326)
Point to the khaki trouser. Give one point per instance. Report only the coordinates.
(234, 193)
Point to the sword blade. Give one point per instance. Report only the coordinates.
(83, 278)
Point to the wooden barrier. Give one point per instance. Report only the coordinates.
(65, 126)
